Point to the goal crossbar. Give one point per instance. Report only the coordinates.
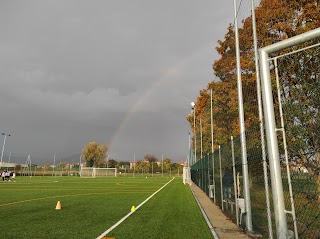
(92, 172)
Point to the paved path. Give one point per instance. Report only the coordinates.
(223, 226)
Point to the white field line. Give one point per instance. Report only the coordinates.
(215, 235)
(129, 214)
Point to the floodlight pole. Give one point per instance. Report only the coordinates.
(134, 163)
(162, 165)
(4, 143)
(193, 107)
(211, 118)
(54, 163)
(152, 168)
(200, 138)
(242, 126)
(189, 156)
(107, 164)
(212, 151)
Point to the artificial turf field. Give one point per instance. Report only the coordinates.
(89, 206)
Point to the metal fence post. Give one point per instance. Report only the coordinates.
(212, 150)
(263, 146)
(234, 181)
(221, 186)
(214, 181)
(242, 127)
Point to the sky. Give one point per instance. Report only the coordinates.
(118, 72)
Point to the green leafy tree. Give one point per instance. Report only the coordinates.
(94, 154)
(143, 166)
(150, 158)
(62, 165)
(166, 164)
(113, 163)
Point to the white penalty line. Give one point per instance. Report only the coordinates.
(129, 214)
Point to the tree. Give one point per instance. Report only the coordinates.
(276, 20)
(143, 166)
(150, 158)
(94, 154)
(124, 163)
(166, 164)
(112, 163)
(62, 165)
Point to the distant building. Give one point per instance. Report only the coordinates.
(182, 163)
(133, 164)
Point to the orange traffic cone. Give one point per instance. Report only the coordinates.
(58, 205)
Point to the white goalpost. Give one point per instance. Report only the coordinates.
(91, 172)
(187, 176)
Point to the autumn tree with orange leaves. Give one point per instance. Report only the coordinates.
(276, 20)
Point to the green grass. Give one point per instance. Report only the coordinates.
(91, 206)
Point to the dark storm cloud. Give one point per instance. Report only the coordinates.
(72, 72)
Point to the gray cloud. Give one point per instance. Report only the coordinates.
(117, 72)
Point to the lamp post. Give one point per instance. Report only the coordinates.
(4, 143)
(200, 138)
(80, 159)
(54, 164)
(162, 164)
(193, 107)
(189, 156)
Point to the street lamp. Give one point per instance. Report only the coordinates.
(4, 143)
(193, 107)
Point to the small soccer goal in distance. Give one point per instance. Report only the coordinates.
(91, 172)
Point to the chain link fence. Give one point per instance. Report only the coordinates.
(295, 91)
(295, 76)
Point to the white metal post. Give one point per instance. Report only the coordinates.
(234, 180)
(134, 163)
(54, 163)
(195, 134)
(152, 168)
(162, 164)
(242, 127)
(284, 140)
(4, 143)
(221, 185)
(262, 138)
(200, 138)
(212, 151)
(189, 156)
(273, 151)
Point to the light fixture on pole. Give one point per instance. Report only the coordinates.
(193, 107)
(4, 143)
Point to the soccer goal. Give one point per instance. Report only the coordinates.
(186, 175)
(90, 172)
